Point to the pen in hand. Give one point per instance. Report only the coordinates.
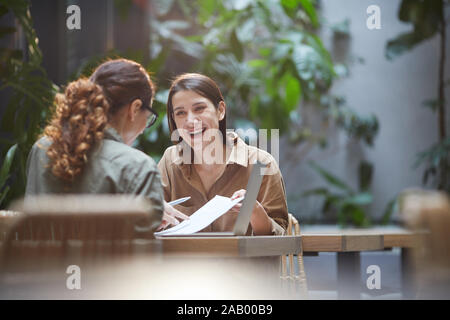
(178, 201)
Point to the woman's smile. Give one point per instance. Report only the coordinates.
(194, 115)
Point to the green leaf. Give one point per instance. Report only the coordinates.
(162, 6)
(341, 70)
(162, 96)
(409, 10)
(289, 4)
(3, 194)
(123, 8)
(333, 180)
(330, 202)
(390, 208)
(265, 52)
(257, 63)
(401, 44)
(365, 175)
(425, 17)
(176, 24)
(316, 191)
(4, 171)
(341, 29)
(206, 9)
(292, 91)
(433, 104)
(355, 214)
(310, 11)
(236, 46)
(358, 216)
(360, 199)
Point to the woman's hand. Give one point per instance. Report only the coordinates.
(169, 217)
(237, 194)
(260, 221)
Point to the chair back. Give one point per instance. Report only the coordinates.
(297, 277)
(53, 229)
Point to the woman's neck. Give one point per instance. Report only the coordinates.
(212, 157)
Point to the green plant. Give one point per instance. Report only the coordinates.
(428, 19)
(4, 172)
(437, 162)
(30, 93)
(347, 204)
(265, 55)
(267, 58)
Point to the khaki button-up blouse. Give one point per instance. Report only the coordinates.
(181, 180)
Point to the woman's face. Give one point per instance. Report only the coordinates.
(193, 115)
(136, 124)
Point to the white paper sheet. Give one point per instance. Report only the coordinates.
(203, 217)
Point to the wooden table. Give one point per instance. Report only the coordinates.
(182, 268)
(252, 246)
(349, 242)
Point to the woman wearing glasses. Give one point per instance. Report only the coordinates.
(86, 147)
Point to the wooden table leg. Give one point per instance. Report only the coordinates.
(348, 275)
(409, 287)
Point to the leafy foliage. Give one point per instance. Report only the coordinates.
(423, 15)
(428, 19)
(436, 158)
(29, 93)
(4, 172)
(348, 204)
(266, 57)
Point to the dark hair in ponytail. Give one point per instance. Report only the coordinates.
(86, 107)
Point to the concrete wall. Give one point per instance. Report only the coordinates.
(392, 90)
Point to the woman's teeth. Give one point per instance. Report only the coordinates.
(196, 132)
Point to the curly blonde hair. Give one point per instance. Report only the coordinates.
(85, 108)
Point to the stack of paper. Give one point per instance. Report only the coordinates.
(203, 217)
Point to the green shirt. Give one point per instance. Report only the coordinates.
(112, 168)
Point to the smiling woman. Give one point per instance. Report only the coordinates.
(204, 94)
(207, 161)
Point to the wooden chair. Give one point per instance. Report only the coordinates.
(6, 218)
(296, 278)
(429, 210)
(52, 230)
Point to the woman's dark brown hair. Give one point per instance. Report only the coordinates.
(86, 107)
(202, 85)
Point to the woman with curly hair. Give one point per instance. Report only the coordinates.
(86, 147)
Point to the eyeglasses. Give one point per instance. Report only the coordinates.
(152, 118)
